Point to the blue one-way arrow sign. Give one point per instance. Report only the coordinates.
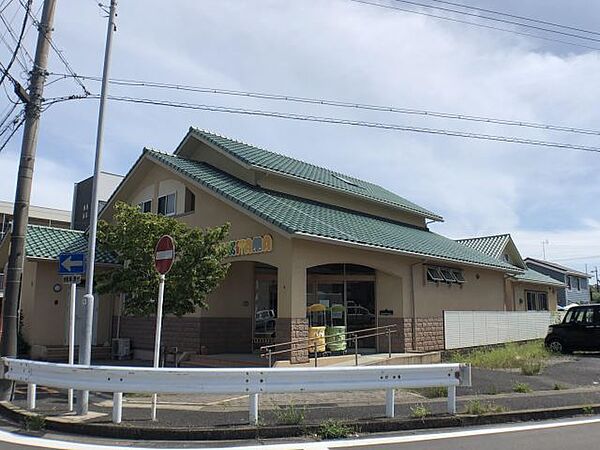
(71, 263)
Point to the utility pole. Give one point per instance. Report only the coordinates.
(10, 305)
(85, 347)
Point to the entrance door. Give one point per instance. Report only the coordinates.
(350, 286)
(265, 306)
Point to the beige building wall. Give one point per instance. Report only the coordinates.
(519, 297)
(46, 312)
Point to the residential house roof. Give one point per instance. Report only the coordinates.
(310, 219)
(265, 160)
(557, 267)
(490, 245)
(496, 246)
(43, 242)
(531, 276)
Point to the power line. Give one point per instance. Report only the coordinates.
(58, 52)
(334, 103)
(475, 24)
(14, 55)
(495, 19)
(13, 35)
(341, 121)
(514, 16)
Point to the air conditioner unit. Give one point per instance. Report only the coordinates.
(121, 348)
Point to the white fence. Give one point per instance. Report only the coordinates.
(235, 381)
(474, 328)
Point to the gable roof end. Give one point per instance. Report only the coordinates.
(266, 161)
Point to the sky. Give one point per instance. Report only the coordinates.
(353, 52)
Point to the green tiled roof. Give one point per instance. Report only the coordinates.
(532, 276)
(264, 159)
(490, 245)
(305, 217)
(49, 242)
(494, 247)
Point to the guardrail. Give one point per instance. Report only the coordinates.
(268, 351)
(252, 382)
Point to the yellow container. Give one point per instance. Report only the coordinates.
(316, 335)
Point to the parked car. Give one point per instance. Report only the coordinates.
(566, 308)
(265, 321)
(579, 330)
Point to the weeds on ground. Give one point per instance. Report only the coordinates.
(35, 422)
(289, 414)
(334, 429)
(477, 408)
(522, 388)
(419, 411)
(532, 367)
(559, 387)
(432, 392)
(528, 357)
(588, 410)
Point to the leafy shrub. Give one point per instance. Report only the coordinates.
(290, 414)
(522, 388)
(334, 429)
(419, 411)
(477, 408)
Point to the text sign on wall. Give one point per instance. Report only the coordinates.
(251, 246)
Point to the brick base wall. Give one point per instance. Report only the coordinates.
(429, 334)
(218, 335)
(289, 330)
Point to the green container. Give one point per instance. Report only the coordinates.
(336, 340)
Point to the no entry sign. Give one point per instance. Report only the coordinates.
(164, 254)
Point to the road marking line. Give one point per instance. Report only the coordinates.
(324, 445)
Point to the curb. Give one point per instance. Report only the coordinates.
(125, 431)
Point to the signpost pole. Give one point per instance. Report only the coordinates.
(161, 293)
(72, 335)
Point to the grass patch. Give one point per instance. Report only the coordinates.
(559, 387)
(529, 357)
(588, 410)
(419, 411)
(522, 388)
(432, 392)
(35, 422)
(477, 408)
(334, 429)
(289, 414)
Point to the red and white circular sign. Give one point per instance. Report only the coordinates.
(164, 254)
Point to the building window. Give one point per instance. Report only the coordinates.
(537, 301)
(578, 283)
(445, 274)
(190, 201)
(167, 205)
(146, 206)
(569, 285)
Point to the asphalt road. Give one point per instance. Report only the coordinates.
(574, 434)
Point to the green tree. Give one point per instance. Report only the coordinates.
(198, 269)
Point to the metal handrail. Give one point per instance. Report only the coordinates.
(354, 336)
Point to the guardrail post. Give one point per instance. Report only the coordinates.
(316, 357)
(117, 411)
(389, 339)
(389, 402)
(355, 349)
(452, 400)
(31, 390)
(270, 358)
(253, 409)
